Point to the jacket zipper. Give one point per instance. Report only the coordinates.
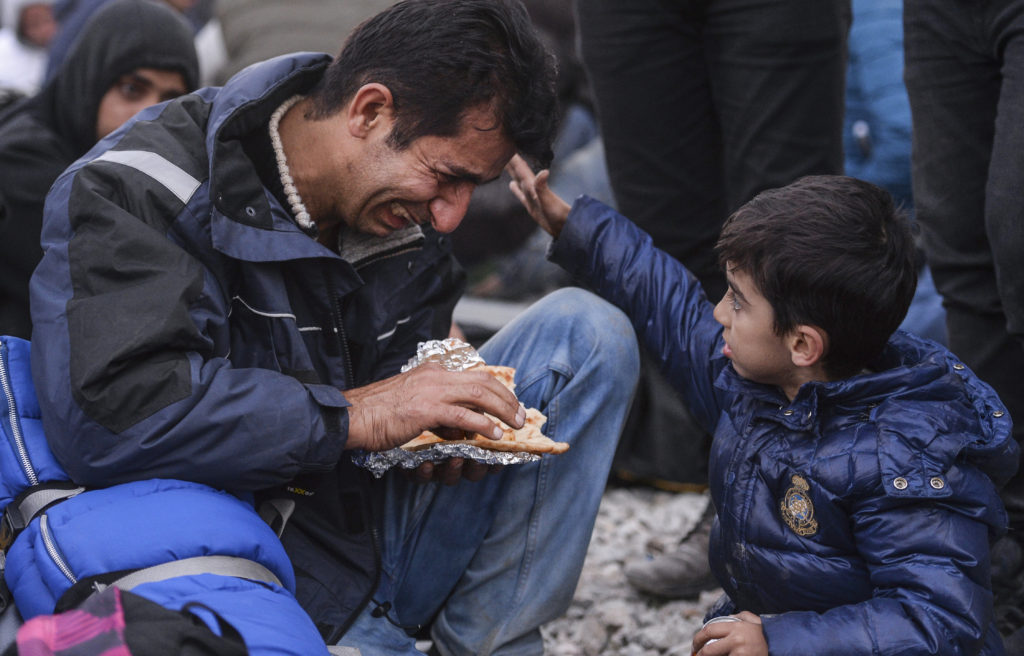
(342, 338)
(53, 551)
(338, 327)
(19, 439)
(375, 539)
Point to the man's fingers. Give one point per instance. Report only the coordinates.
(451, 471)
(446, 433)
(471, 421)
(388, 413)
(480, 392)
(424, 473)
(474, 471)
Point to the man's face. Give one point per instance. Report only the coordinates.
(430, 181)
(134, 92)
(757, 353)
(37, 25)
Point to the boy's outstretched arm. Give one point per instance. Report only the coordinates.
(607, 253)
(544, 205)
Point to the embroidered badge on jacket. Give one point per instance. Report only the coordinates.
(797, 508)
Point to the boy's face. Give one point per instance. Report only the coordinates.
(757, 353)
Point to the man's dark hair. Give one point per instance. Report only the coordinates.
(442, 58)
(832, 252)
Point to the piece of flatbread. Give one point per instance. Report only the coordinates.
(527, 439)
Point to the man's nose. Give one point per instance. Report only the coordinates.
(449, 207)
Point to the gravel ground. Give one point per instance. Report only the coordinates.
(607, 615)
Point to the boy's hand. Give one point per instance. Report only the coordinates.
(733, 638)
(544, 205)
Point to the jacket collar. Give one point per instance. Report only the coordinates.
(907, 363)
(247, 222)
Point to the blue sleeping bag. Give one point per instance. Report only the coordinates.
(173, 542)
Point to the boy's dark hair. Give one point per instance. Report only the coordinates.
(442, 58)
(832, 252)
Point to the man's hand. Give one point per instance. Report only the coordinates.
(544, 205)
(391, 412)
(452, 471)
(732, 638)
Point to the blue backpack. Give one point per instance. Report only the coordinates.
(176, 543)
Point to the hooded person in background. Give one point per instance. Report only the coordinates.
(26, 29)
(73, 15)
(132, 54)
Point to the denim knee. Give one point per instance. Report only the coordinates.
(589, 320)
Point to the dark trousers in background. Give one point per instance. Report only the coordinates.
(965, 78)
(704, 103)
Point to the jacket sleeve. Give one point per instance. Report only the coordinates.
(123, 360)
(928, 564)
(607, 253)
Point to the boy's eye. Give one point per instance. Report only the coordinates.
(733, 301)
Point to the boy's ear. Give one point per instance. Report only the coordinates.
(807, 345)
(371, 104)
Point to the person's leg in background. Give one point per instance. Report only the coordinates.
(646, 67)
(964, 63)
(777, 71)
(751, 95)
(488, 563)
(1004, 226)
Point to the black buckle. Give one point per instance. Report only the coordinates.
(9, 530)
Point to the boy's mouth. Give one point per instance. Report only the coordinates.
(726, 351)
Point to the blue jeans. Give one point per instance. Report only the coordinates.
(489, 562)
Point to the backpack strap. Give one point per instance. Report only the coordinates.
(276, 513)
(30, 503)
(235, 566)
(242, 568)
(20, 512)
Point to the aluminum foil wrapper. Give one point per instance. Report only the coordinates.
(454, 355)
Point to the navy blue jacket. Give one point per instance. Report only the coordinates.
(856, 518)
(185, 327)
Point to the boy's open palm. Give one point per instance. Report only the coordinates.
(544, 205)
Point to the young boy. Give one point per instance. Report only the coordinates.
(854, 469)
